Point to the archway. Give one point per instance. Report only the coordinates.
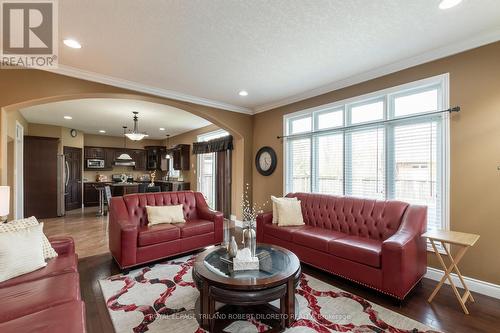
(240, 131)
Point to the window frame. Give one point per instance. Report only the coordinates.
(388, 97)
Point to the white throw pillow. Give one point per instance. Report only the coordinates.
(21, 252)
(290, 213)
(48, 251)
(275, 210)
(165, 214)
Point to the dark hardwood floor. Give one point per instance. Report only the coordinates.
(444, 313)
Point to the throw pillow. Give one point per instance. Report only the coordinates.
(21, 252)
(48, 251)
(275, 210)
(165, 214)
(290, 213)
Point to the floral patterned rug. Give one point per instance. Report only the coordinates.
(161, 298)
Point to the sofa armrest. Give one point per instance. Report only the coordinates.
(262, 219)
(204, 212)
(62, 244)
(404, 254)
(122, 234)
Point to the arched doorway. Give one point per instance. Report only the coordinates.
(224, 119)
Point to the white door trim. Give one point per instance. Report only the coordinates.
(19, 172)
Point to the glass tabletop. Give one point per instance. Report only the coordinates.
(271, 262)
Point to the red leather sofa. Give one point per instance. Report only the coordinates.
(132, 241)
(375, 243)
(46, 300)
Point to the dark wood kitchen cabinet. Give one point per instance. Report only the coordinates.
(139, 157)
(94, 153)
(154, 156)
(180, 156)
(109, 158)
(90, 195)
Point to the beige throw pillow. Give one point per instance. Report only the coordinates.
(275, 200)
(21, 252)
(290, 213)
(48, 251)
(165, 214)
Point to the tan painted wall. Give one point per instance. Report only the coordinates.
(475, 147)
(62, 133)
(22, 88)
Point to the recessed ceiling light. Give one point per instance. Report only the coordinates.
(447, 4)
(72, 43)
(68, 117)
(102, 131)
(162, 128)
(243, 93)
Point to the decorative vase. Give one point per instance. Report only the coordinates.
(250, 239)
(233, 248)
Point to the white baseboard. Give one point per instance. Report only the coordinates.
(478, 286)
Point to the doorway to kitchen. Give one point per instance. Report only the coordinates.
(213, 169)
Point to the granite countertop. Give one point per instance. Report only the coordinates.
(125, 184)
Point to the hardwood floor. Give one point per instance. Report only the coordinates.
(96, 263)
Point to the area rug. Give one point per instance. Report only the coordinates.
(161, 298)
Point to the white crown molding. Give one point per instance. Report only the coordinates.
(445, 51)
(125, 84)
(478, 286)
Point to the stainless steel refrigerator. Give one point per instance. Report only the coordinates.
(62, 182)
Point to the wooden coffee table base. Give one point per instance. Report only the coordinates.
(243, 304)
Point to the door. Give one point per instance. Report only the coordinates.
(73, 198)
(40, 176)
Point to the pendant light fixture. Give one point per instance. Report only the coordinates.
(167, 156)
(135, 135)
(124, 159)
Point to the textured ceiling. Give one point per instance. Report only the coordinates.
(273, 49)
(94, 114)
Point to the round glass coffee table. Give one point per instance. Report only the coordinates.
(246, 294)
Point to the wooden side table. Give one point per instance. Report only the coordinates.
(462, 240)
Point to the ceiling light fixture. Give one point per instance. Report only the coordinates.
(68, 117)
(72, 43)
(162, 128)
(243, 93)
(135, 135)
(447, 4)
(102, 131)
(124, 159)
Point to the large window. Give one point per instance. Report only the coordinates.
(386, 145)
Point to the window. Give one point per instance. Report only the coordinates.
(388, 145)
(206, 169)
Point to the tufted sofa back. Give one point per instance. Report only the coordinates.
(136, 204)
(354, 216)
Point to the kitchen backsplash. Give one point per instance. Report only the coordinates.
(91, 175)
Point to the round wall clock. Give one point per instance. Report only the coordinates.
(266, 161)
(73, 133)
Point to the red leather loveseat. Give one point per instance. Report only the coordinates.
(133, 242)
(46, 300)
(374, 243)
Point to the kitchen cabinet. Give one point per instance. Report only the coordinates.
(139, 157)
(180, 155)
(109, 158)
(154, 156)
(94, 153)
(90, 194)
(121, 190)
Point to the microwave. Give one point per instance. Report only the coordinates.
(95, 164)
